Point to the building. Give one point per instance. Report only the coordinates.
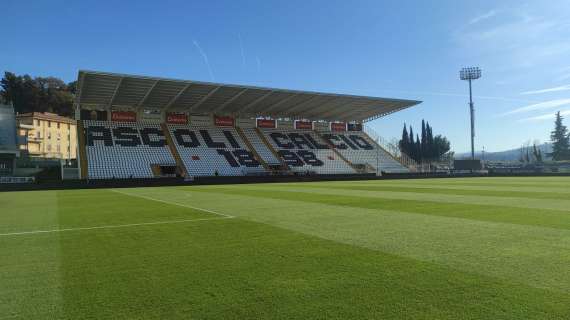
(8, 140)
(48, 135)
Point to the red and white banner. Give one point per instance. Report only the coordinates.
(304, 125)
(266, 123)
(124, 116)
(221, 121)
(176, 118)
(338, 126)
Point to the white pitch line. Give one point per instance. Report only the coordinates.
(173, 203)
(111, 226)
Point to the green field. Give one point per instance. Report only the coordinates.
(479, 248)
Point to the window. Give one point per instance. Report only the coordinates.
(49, 124)
(58, 125)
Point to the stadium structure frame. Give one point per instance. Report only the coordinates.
(110, 92)
(107, 91)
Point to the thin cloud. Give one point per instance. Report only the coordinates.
(483, 17)
(548, 90)
(462, 95)
(242, 50)
(539, 106)
(205, 57)
(544, 117)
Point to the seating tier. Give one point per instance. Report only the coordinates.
(125, 150)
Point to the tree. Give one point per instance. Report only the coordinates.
(405, 142)
(418, 149)
(38, 94)
(441, 145)
(429, 140)
(560, 140)
(412, 150)
(425, 148)
(536, 153)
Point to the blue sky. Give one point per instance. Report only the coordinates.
(400, 49)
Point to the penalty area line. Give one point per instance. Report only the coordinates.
(173, 203)
(111, 226)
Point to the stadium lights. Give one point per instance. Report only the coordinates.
(470, 74)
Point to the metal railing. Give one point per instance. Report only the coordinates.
(394, 151)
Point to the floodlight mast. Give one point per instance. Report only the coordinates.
(471, 74)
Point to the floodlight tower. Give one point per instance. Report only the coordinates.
(471, 74)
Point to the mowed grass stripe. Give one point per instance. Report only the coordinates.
(451, 190)
(250, 270)
(551, 204)
(494, 188)
(551, 182)
(102, 207)
(508, 251)
(487, 212)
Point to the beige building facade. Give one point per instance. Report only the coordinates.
(48, 135)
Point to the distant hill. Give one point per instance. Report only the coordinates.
(507, 155)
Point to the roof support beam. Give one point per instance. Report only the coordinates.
(230, 100)
(280, 103)
(358, 113)
(146, 95)
(175, 98)
(324, 106)
(252, 104)
(292, 110)
(115, 93)
(333, 111)
(206, 97)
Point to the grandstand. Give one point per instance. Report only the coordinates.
(144, 127)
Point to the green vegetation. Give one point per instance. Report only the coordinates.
(39, 94)
(560, 140)
(425, 149)
(480, 248)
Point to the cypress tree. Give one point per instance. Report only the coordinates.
(412, 144)
(405, 142)
(429, 140)
(418, 149)
(423, 146)
(560, 140)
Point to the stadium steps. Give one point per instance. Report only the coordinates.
(174, 151)
(388, 153)
(338, 154)
(82, 150)
(277, 156)
(252, 149)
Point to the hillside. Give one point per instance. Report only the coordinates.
(507, 155)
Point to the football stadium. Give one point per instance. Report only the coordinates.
(160, 224)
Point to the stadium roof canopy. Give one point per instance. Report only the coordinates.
(110, 90)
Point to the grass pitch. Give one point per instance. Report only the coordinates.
(480, 248)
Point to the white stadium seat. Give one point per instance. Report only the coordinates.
(124, 150)
(206, 151)
(264, 152)
(358, 148)
(303, 151)
(130, 150)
